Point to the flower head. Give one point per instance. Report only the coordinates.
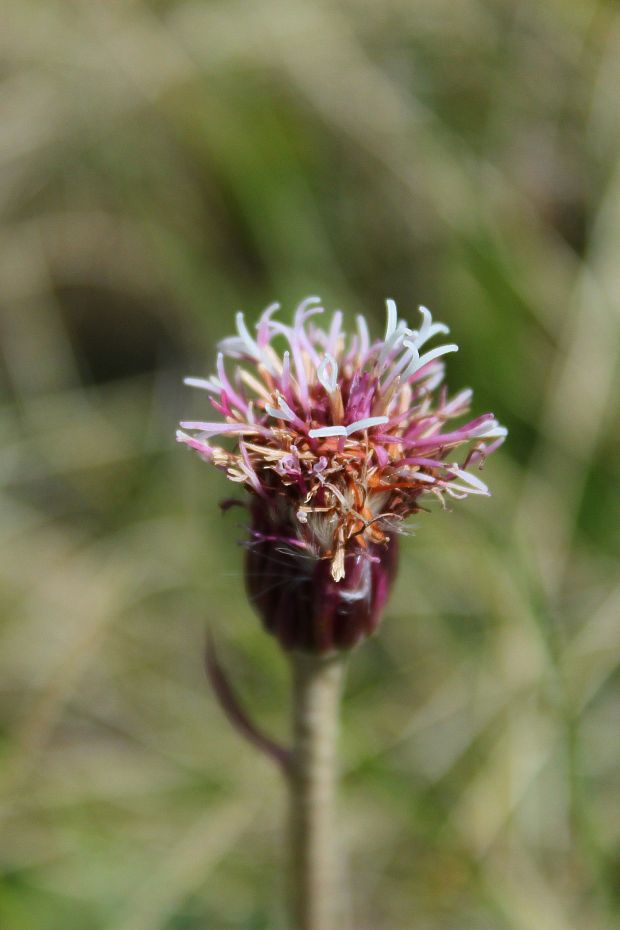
(338, 438)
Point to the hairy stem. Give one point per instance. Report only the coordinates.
(316, 898)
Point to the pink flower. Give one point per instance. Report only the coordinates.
(338, 439)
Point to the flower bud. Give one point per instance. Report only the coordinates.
(337, 439)
(297, 598)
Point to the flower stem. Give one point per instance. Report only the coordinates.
(315, 892)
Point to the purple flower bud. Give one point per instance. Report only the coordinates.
(296, 596)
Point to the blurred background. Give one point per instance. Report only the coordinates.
(164, 164)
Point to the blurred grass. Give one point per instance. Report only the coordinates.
(162, 165)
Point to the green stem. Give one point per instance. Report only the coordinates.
(315, 873)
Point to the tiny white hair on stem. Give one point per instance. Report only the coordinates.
(329, 379)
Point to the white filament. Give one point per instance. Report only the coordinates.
(282, 411)
(365, 424)
(328, 380)
(251, 344)
(327, 431)
(489, 430)
(252, 347)
(409, 359)
(347, 430)
(392, 318)
(476, 486)
(334, 332)
(428, 329)
(423, 360)
(277, 413)
(362, 328)
(205, 384)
